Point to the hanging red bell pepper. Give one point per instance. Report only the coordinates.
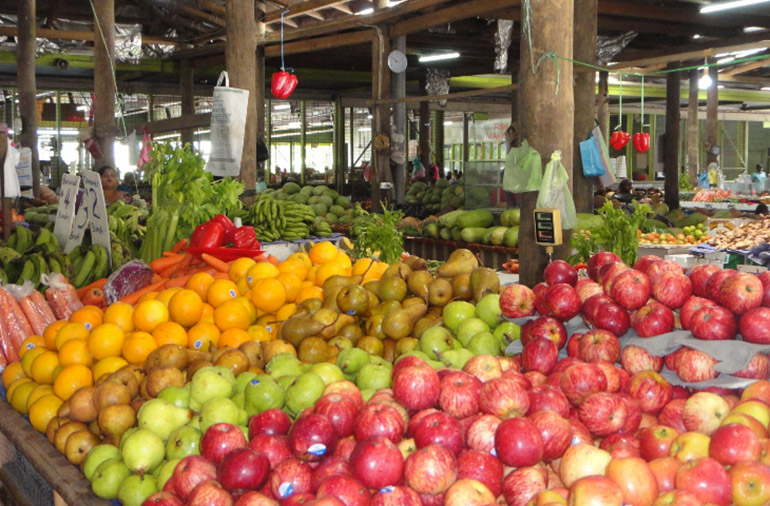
(282, 84)
(209, 235)
(226, 223)
(244, 238)
(619, 139)
(641, 142)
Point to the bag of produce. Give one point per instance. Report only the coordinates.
(131, 277)
(555, 192)
(16, 328)
(34, 306)
(61, 295)
(523, 170)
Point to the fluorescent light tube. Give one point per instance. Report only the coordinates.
(733, 4)
(439, 57)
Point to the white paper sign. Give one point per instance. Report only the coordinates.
(93, 214)
(66, 213)
(24, 172)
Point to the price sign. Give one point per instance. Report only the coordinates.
(66, 211)
(93, 214)
(548, 227)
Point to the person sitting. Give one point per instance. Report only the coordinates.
(759, 176)
(625, 192)
(761, 210)
(110, 186)
(129, 183)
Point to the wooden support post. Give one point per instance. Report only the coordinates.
(540, 105)
(381, 113)
(603, 105)
(398, 84)
(692, 129)
(269, 139)
(186, 74)
(438, 139)
(259, 99)
(240, 54)
(5, 205)
(104, 81)
(302, 139)
(466, 135)
(352, 147)
(585, 99)
(424, 141)
(25, 71)
(712, 109)
(671, 143)
(338, 143)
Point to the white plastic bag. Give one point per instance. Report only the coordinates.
(555, 191)
(12, 188)
(228, 126)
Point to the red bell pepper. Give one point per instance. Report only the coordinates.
(282, 84)
(641, 142)
(619, 139)
(226, 223)
(209, 235)
(244, 238)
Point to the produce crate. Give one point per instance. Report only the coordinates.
(439, 249)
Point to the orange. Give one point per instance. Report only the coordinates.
(43, 366)
(302, 258)
(270, 324)
(311, 274)
(89, 316)
(309, 292)
(239, 268)
(294, 267)
(259, 333)
(43, 410)
(149, 314)
(106, 340)
(166, 294)
(199, 283)
(203, 336)
(11, 373)
(75, 351)
(376, 272)
(108, 365)
(291, 284)
(207, 315)
(234, 338)
(137, 346)
(286, 312)
(16, 384)
(361, 266)
(71, 331)
(18, 399)
(29, 343)
(170, 333)
(328, 270)
(121, 314)
(185, 308)
(322, 252)
(243, 287)
(268, 295)
(37, 393)
(259, 271)
(343, 259)
(252, 311)
(49, 335)
(221, 290)
(28, 358)
(70, 379)
(231, 314)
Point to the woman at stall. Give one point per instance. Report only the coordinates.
(110, 186)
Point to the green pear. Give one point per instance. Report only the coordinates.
(209, 382)
(469, 328)
(178, 396)
(182, 442)
(242, 380)
(219, 410)
(415, 353)
(488, 310)
(135, 489)
(374, 359)
(125, 436)
(286, 381)
(484, 343)
(435, 340)
(373, 377)
(284, 364)
(507, 332)
(304, 392)
(97, 455)
(166, 471)
(456, 358)
(455, 312)
(367, 394)
(328, 372)
(143, 450)
(107, 478)
(263, 393)
(162, 417)
(350, 361)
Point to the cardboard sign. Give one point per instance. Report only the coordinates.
(66, 211)
(24, 172)
(93, 214)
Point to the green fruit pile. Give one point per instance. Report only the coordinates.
(27, 255)
(476, 226)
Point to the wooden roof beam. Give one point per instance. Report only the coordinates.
(677, 13)
(308, 7)
(212, 6)
(47, 33)
(742, 69)
(451, 14)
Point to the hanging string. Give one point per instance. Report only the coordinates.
(283, 64)
(620, 102)
(642, 103)
(118, 98)
(527, 26)
(552, 56)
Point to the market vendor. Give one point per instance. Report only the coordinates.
(625, 193)
(759, 176)
(110, 186)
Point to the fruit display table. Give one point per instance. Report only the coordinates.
(439, 249)
(32, 470)
(282, 249)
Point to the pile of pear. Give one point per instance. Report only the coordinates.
(385, 317)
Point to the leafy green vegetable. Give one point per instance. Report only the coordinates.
(378, 232)
(617, 234)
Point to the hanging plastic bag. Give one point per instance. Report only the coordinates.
(703, 179)
(555, 192)
(591, 158)
(523, 169)
(228, 127)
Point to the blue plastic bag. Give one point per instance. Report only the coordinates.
(703, 179)
(591, 158)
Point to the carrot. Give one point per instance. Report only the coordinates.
(161, 264)
(99, 283)
(179, 281)
(171, 271)
(179, 246)
(273, 260)
(133, 298)
(216, 263)
(43, 307)
(34, 317)
(168, 253)
(156, 278)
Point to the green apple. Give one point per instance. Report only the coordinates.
(304, 392)
(457, 311)
(97, 455)
(107, 478)
(328, 372)
(135, 489)
(434, 341)
(182, 442)
(143, 450)
(484, 343)
(488, 309)
(263, 393)
(284, 364)
(507, 332)
(469, 328)
(166, 471)
(242, 380)
(209, 382)
(219, 410)
(162, 417)
(178, 396)
(373, 377)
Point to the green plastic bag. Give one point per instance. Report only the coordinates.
(555, 192)
(523, 170)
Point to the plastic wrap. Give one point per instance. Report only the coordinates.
(503, 37)
(128, 43)
(437, 83)
(61, 296)
(16, 324)
(33, 304)
(130, 278)
(160, 51)
(608, 47)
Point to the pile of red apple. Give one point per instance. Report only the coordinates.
(654, 297)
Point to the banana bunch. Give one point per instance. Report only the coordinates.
(121, 253)
(47, 241)
(321, 228)
(126, 222)
(280, 219)
(22, 239)
(89, 264)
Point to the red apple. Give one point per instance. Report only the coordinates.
(714, 284)
(441, 429)
(753, 325)
(290, 477)
(582, 460)
(481, 434)
(603, 413)
(563, 300)
(191, 471)
(655, 442)
(596, 490)
(613, 318)
(535, 378)
(580, 433)
(597, 345)
(430, 470)
(312, 437)
(636, 480)
(254, 498)
(517, 301)
(459, 394)
(678, 498)
(703, 412)
(547, 398)
(539, 355)
(587, 288)
(540, 303)
(672, 289)
(164, 498)
(758, 368)
(636, 359)
(581, 380)
(467, 492)
(643, 262)
(482, 467)
(699, 276)
(573, 344)
(560, 271)
(333, 465)
(243, 469)
(271, 422)
(555, 431)
(483, 367)
(664, 469)
(759, 390)
(349, 490)
(651, 391)
(503, 398)
(693, 366)
(671, 414)
(707, 479)
(340, 410)
(379, 420)
(690, 307)
(741, 292)
(657, 269)
(631, 289)
(518, 442)
(621, 442)
(350, 389)
(750, 483)
(635, 416)
(598, 260)
(591, 305)
(220, 439)
(652, 319)
(713, 323)
(396, 496)
(733, 443)
(377, 462)
(520, 485)
(209, 493)
(546, 327)
(749, 421)
(416, 387)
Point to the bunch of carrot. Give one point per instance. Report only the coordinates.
(20, 319)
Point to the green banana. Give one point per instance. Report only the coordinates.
(7, 254)
(102, 262)
(86, 269)
(28, 272)
(55, 266)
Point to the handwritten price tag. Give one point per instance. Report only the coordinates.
(93, 214)
(66, 212)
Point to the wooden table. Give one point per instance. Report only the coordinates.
(33, 471)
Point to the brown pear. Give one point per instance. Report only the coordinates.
(78, 445)
(418, 283)
(63, 432)
(195, 365)
(397, 270)
(143, 389)
(297, 328)
(341, 322)
(137, 403)
(313, 350)
(373, 286)
(416, 263)
(393, 288)
(353, 300)
(399, 323)
(460, 261)
(109, 393)
(411, 301)
(386, 307)
(163, 377)
(194, 354)
(64, 409)
(440, 292)
(341, 343)
(405, 345)
(374, 326)
(333, 286)
(136, 370)
(426, 322)
(484, 281)
(309, 305)
(461, 286)
(168, 355)
(94, 427)
(233, 359)
(82, 408)
(127, 378)
(276, 346)
(389, 350)
(253, 351)
(53, 425)
(115, 420)
(352, 331)
(371, 345)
